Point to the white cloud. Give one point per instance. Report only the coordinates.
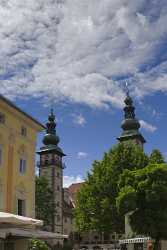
(71, 50)
(82, 155)
(79, 119)
(148, 127)
(68, 180)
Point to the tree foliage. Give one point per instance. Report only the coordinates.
(126, 181)
(96, 201)
(156, 157)
(143, 194)
(45, 207)
(38, 245)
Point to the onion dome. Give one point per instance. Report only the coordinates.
(51, 140)
(50, 137)
(130, 124)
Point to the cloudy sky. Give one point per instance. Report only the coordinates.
(76, 56)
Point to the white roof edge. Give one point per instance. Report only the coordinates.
(135, 240)
(28, 233)
(9, 218)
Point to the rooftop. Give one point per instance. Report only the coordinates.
(75, 187)
(12, 105)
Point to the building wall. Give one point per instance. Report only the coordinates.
(54, 175)
(67, 212)
(67, 224)
(14, 244)
(14, 146)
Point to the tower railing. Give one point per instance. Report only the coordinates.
(50, 162)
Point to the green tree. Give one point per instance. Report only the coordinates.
(96, 201)
(143, 196)
(38, 245)
(156, 157)
(44, 200)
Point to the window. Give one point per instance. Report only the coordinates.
(58, 175)
(58, 188)
(23, 131)
(46, 159)
(21, 207)
(57, 159)
(22, 166)
(2, 118)
(58, 204)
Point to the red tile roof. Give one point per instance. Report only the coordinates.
(75, 187)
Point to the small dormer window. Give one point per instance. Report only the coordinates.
(23, 131)
(2, 118)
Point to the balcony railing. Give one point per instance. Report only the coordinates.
(50, 162)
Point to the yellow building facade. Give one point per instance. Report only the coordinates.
(18, 135)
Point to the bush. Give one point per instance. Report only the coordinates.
(38, 245)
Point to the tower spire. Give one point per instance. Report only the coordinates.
(127, 88)
(130, 124)
(51, 139)
(51, 167)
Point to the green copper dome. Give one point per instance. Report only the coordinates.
(130, 124)
(50, 137)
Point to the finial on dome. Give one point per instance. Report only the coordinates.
(51, 138)
(130, 124)
(128, 100)
(127, 88)
(51, 116)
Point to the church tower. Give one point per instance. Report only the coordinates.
(130, 124)
(51, 167)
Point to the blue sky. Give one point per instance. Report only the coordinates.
(76, 56)
(87, 133)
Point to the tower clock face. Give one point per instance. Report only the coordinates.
(57, 158)
(45, 159)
